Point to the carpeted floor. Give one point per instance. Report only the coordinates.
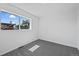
(43, 48)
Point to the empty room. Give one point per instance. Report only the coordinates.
(39, 29)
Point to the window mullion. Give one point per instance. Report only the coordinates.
(0, 24)
(19, 23)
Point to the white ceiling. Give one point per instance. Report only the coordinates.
(38, 8)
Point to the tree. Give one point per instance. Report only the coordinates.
(25, 24)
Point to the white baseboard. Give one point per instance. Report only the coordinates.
(46, 39)
(34, 39)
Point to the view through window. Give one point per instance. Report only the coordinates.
(10, 21)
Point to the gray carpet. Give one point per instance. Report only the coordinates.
(46, 49)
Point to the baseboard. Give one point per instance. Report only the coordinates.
(44, 38)
(19, 46)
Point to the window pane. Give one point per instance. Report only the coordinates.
(10, 21)
(24, 23)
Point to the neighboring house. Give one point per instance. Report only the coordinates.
(7, 26)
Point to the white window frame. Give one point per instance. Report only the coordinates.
(19, 22)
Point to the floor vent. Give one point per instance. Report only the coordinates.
(35, 47)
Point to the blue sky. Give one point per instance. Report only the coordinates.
(5, 17)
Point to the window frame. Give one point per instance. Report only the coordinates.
(30, 19)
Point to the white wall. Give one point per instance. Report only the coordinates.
(78, 27)
(10, 40)
(58, 24)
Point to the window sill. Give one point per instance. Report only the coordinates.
(16, 30)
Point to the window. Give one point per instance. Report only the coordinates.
(10, 21)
